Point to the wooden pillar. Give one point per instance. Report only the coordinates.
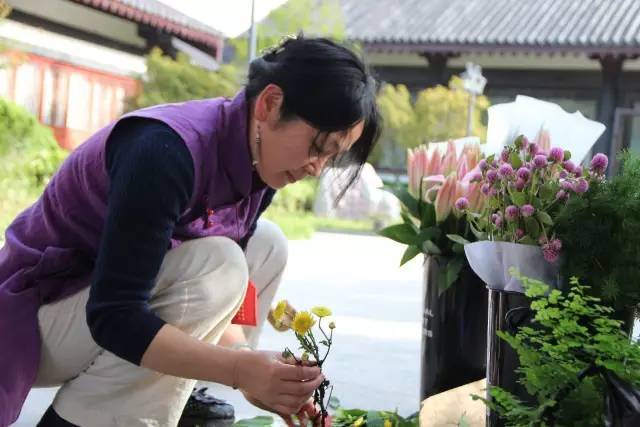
(608, 101)
(438, 74)
(157, 38)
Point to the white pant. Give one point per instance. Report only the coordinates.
(198, 289)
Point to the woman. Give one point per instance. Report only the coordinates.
(119, 283)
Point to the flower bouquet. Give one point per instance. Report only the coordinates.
(315, 347)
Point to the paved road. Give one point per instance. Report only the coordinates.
(374, 363)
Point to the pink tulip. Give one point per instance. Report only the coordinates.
(543, 141)
(430, 186)
(463, 167)
(446, 198)
(472, 151)
(475, 197)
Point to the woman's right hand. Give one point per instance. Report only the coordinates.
(278, 384)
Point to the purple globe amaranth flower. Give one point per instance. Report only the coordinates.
(520, 184)
(581, 186)
(485, 189)
(496, 220)
(476, 177)
(550, 255)
(504, 156)
(569, 166)
(492, 176)
(511, 212)
(556, 244)
(524, 173)
(505, 171)
(483, 165)
(567, 186)
(540, 161)
(527, 210)
(563, 174)
(578, 171)
(556, 154)
(599, 163)
(562, 195)
(519, 233)
(462, 203)
(533, 148)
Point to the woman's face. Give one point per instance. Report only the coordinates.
(291, 150)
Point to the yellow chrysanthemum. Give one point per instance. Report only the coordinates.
(278, 312)
(321, 311)
(388, 423)
(303, 322)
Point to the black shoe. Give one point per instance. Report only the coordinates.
(205, 410)
(52, 419)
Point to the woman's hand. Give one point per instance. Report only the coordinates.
(274, 384)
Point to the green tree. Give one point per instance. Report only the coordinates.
(437, 114)
(29, 156)
(168, 80)
(312, 17)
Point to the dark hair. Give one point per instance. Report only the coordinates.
(326, 85)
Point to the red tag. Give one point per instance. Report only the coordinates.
(248, 312)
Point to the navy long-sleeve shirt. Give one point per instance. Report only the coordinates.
(151, 182)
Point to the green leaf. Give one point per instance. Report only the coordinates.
(567, 155)
(409, 254)
(519, 198)
(428, 215)
(431, 248)
(430, 233)
(457, 248)
(402, 233)
(451, 273)
(261, 421)
(515, 161)
(491, 158)
(458, 239)
(546, 192)
(532, 227)
(374, 419)
(480, 235)
(544, 218)
(410, 202)
(526, 240)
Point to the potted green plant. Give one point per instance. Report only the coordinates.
(600, 234)
(575, 362)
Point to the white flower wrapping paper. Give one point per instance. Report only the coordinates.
(492, 262)
(527, 116)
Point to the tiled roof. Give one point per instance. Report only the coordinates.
(159, 15)
(588, 26)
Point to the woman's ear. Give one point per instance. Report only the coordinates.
(268, 103)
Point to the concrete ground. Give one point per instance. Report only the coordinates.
(374, 362)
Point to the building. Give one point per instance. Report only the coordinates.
(79, 59)
(579, 54)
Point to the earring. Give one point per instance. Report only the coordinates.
(258, 143)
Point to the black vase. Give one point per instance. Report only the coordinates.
(507, 312)
(454, 333)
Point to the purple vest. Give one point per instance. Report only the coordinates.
(50, 248)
